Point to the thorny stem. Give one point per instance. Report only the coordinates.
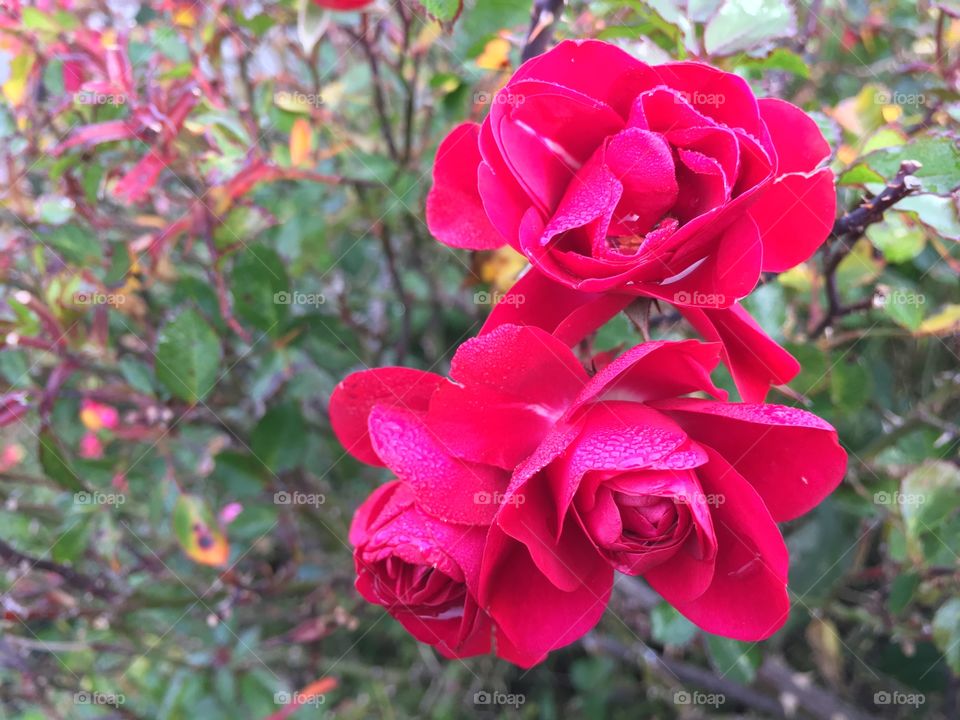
(849, 228)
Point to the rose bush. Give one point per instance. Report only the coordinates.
(613, 176)
(523, 483)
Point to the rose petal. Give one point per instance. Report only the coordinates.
(791, 457)
(569, 315)
(455, 213)
(357, 394)
(795, 215)
(747, 599)
(532, 612)
(446, 487)
(796, 137)
(755, 361)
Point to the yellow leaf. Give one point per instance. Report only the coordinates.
(431, 31)
(15, 88)
(185, 17)
(891, 113)
(847, 154)
(945, 322)
(198, 533)
(495, 55)
(501, 268)
(301, 142)
(861, 113)
(798, 278)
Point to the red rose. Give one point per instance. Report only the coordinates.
(670, 181)
(524, 483)
(423, 571)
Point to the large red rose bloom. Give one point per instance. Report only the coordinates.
(523, 483)
(613, 176)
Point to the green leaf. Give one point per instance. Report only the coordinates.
(72, 542)
(898, 240)
(928, 496)
(137, 374)
(188, 357)
(279, 441)
(946, 632)
(34, 19)
(940, 158)
(903, 304)
(850, 385)
(56, 463)
(737, 660)
(76, 244)
(261, 289)
(780, 59)
(669, 627)
(937, 213)
(443, 10)
(486, 17)
(312, 22)
(748, 25)
(902, 590)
